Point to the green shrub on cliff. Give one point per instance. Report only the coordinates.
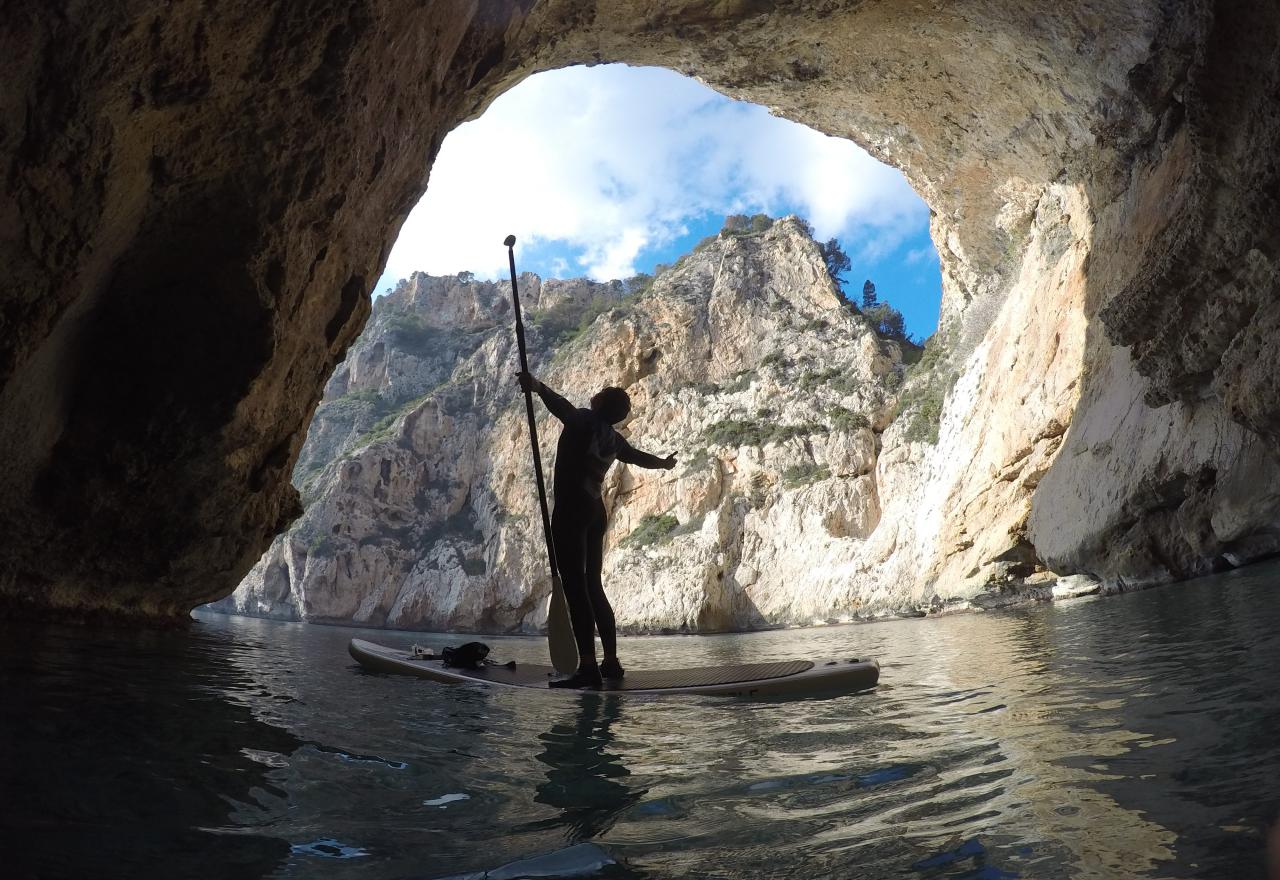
(566, 322)
(738, 432)
(638, 285)
(775, 359)
(886, 321)
(925, 406)
(382, 428)
(837, 380)
(323, 546)
(737, 225)
(652, 530)
(931, 380)
(847, 420)
(741, 381)
(315, 542)
(803, 474)
(750, 432)
(934, 352)
(836, 260)
(410, 333)
(353, 405)
(697, 461)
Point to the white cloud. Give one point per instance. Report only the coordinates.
(611, 160)
(921, 255)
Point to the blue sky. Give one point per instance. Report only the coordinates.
(607, 171)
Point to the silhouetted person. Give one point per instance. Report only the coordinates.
(588, 447)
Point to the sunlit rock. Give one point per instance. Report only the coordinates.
(424, 514)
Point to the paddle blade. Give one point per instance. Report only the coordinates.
(560, 641)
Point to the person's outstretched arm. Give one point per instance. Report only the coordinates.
(559, 407)
(631, 455)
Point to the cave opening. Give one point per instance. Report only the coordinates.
(195, 208)
(1094, 181)
(617, 180)
(611, 170)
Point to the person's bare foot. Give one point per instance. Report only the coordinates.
(611, 669)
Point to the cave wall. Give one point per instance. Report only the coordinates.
(197, 201)
(1170, 466)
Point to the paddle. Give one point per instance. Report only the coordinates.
(560, 641)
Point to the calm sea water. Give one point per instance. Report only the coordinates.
(1136, 736)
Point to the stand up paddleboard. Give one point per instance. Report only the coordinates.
(788, 678)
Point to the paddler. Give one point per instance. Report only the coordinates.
(589, 445)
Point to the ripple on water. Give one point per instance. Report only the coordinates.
(328, 848)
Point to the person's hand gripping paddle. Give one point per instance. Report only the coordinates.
(564, 650)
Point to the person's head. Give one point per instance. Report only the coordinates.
(612, 404)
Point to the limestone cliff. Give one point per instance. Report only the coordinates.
(742, 359)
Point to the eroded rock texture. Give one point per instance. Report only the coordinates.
(195, 201)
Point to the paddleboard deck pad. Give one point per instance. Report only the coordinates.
(784, 678)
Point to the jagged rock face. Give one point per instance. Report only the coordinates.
(193, 206)
(743, 360)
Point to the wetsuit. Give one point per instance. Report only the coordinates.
(588, 447)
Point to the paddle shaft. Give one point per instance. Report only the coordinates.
(533, 425)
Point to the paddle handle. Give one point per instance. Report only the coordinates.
(528, 406)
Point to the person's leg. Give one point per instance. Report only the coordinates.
(600, 607)
(568, 532)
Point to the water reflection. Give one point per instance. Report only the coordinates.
(122, 757)
(1196, 669)
(1125, 737)
(585, 781)
(1025, 741)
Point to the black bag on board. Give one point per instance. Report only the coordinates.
(467, 656)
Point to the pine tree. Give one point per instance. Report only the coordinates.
(836, 259)
(868, 294)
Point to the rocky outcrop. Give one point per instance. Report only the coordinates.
(742, 359)
(193, 206)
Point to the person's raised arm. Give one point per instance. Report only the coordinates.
(631, 455)
(559, 407)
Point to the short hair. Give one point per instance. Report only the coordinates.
(613, 403)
